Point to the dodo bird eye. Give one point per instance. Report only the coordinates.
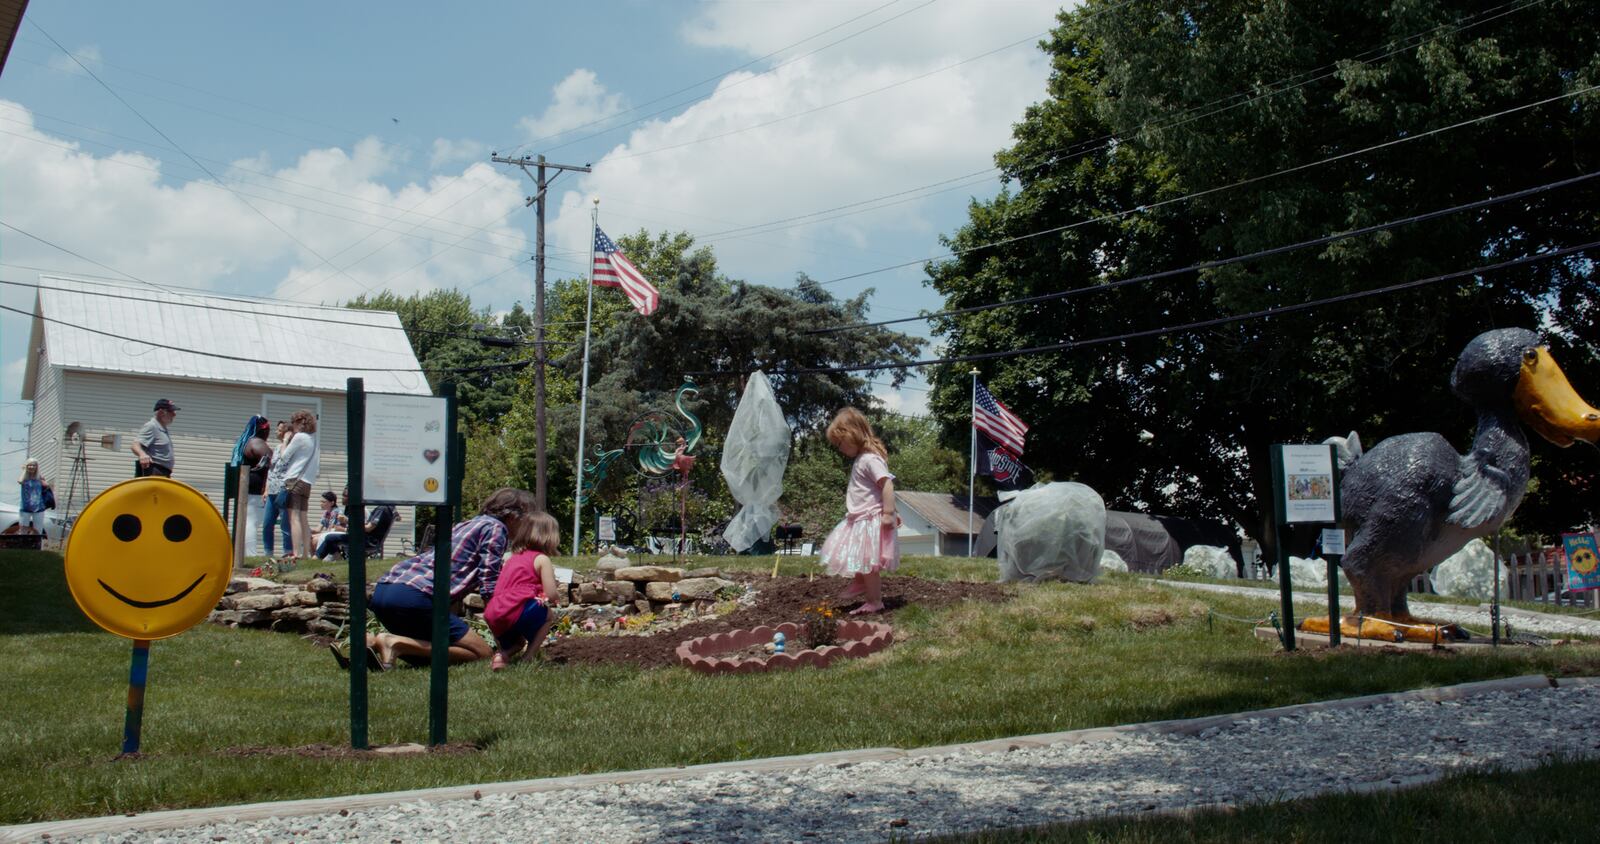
(1530, 356)
(177, 528)
(126, 527)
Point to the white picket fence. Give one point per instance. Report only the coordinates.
(1537, 576)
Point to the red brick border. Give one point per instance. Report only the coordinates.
(859, 639)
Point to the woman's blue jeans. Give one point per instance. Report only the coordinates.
(277, 510)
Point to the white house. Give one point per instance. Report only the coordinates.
(935, 523)
(102, 352)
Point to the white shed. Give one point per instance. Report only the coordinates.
(935, 523)
(102, 352)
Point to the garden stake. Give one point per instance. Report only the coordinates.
(137, 671)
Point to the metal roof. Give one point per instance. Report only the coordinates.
(946, 511)
(177, 333)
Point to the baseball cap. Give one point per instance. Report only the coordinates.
(166, 404)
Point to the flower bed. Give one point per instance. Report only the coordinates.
(857, 639)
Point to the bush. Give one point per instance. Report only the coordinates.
(821, 626)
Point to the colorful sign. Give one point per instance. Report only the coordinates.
(406, 459)
(1583, 561)
(1307, 483)
(148, 558)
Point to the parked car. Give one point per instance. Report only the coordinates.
(10, 516)
(55, 524)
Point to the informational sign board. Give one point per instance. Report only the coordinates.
(1583, 561)
(1307, 484)
(407, 455)
(1333, 541)
(608, 528)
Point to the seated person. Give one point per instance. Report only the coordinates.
(380, 518)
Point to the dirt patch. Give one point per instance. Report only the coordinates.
(1144, 618)
(329, 751)
(778, 600)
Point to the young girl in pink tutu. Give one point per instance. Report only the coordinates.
(864, 544)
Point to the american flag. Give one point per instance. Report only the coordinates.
(613, 269)
(995, 421)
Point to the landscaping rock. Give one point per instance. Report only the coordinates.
(650, 574)
(259, 601)
(303, 599)
(594, 593)
(609, 564)
(474, 602)
(642, 605)
(319, 584)
(297, 613)
(710, 572)
(659, 591)
(246, 584)
(623, 591)
(701, 588)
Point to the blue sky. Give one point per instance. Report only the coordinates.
(348, 144)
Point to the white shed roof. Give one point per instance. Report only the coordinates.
(176, 333)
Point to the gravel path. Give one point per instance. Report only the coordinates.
(1229, 761)
(1472, 618)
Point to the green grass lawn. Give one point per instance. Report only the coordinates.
(1058, 657)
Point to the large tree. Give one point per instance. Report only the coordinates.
(709, 324)
(1152, 101)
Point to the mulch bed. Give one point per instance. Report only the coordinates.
(778, 600)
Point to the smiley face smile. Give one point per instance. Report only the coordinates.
(144, 605)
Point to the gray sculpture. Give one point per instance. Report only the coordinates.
(1412, 501)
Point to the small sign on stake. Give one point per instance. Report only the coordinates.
(407, 454)
(608, 528)
(1308, 484)
(1333, 541)
(1583, 561)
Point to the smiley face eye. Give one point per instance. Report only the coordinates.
(177, 528)
(127, 527)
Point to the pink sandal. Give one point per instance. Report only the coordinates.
(867, 609)
(498, 662)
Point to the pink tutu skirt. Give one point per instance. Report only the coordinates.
(860, 545)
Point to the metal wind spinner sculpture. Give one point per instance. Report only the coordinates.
(663, 443)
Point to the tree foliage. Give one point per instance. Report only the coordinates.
(1200, 97)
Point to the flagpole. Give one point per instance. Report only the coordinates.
(972, 473)
(583, 390)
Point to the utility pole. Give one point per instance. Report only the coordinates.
(538, 176)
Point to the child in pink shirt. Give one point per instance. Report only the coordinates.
(519, 611)
(865, 542)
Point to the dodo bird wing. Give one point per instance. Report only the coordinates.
(1480, 492)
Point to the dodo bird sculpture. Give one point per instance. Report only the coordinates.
(1412, 500)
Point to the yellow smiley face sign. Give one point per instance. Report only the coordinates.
(149, 558)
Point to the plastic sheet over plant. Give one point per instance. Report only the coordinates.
(1465, 574)
(753, 461)
(1052, 532)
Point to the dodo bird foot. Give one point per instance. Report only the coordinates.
(1386, 627)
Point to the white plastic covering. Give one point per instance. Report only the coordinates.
(1112, 561)
(1465, 574)
(753, 459)
(1313, 574)
(1214, 561)
(1055, 531)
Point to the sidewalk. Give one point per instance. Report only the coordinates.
(1383, 741)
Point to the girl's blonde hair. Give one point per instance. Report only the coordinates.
(851, 426)
(538, 532)
(25, 464)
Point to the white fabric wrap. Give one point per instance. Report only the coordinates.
(753, 459)
(1056, 531)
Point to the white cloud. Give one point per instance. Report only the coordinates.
(447, 152)
(577, 100)
(88, 54)
(122, 210)
(905, 400)
(676, 173)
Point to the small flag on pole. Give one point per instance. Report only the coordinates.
(613, 269)
(997, 422)
(997, 462)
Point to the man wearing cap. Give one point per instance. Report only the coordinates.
(154, 445)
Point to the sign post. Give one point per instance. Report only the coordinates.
(1304, 492)
(403, 450)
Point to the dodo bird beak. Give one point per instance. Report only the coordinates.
(1547, 403)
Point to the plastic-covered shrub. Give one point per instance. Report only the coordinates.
(753, 459)
(1465, 574)
(1213, 561)
(1056, 531)
(1112, 561)
(1313, 574)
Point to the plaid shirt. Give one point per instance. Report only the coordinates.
(476, 548)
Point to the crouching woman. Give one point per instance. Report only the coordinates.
(402, 601)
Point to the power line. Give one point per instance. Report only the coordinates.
(1208, 191)
(724, 75)
(1221, 262)
(257, 361)
(1173, 329)
(175, 145)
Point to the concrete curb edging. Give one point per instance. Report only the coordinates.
(328, 805)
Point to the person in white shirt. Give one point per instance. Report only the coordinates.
(301, 458)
